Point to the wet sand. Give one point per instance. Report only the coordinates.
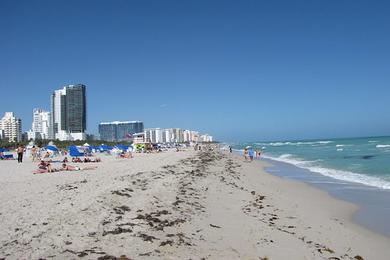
(175, 205)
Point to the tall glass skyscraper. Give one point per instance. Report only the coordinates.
(69, 112)
(119, 131)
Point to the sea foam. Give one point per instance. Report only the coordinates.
(295, 143)
(383, 146)
(336, 174)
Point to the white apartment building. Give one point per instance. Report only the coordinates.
(154, 135)
(186, 136)
(194, 136)
(178, 136)
(206, 138)
(12, 127)
(174, 135)
(167, 136)
(42, 126)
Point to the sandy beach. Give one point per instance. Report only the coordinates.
(175, 205)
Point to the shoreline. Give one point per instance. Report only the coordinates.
(175, 205)
(372, 212)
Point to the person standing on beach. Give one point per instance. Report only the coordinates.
(251, 154)
(20, 151)
(34, 153)
(230, 149)
(246, 154)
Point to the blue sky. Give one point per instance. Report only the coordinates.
(239, 70)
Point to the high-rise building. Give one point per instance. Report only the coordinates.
(177, 135)
(119, 131)
(12, 127)
(186, 136)
(42, 127)
(69, 112)
(167, 136)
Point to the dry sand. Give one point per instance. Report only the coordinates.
(175, 205)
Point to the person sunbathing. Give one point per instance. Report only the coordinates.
(89, 160)
(76, 160)
(66, 167)
(126, 155)
(65, 160)
(45, 167)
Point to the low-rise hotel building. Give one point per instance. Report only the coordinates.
(119, 130)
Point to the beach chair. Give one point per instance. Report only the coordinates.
(74, 152)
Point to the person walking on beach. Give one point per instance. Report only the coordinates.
(20, 151)
(34, 153)
(230, 149)
(251, 154)
(246, 154)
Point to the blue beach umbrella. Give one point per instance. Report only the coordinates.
(52, 148)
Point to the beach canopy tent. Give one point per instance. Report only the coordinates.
(84, 148)
(5, 154)
(52, 148)
(122, 147)
(104, 148)
(74, 151)
(93, 148)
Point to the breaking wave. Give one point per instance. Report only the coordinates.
(336, 174)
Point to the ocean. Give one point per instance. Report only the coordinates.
(359, 160)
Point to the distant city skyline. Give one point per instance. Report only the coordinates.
(238, 70)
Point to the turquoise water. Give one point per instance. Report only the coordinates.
(361, 160)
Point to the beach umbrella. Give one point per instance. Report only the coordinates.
(52, 148)
(74, 151)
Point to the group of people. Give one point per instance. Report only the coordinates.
(249, 154)
(126, 155)
(35, 153)
(197, 147)
(85, 160)
(46, 167)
